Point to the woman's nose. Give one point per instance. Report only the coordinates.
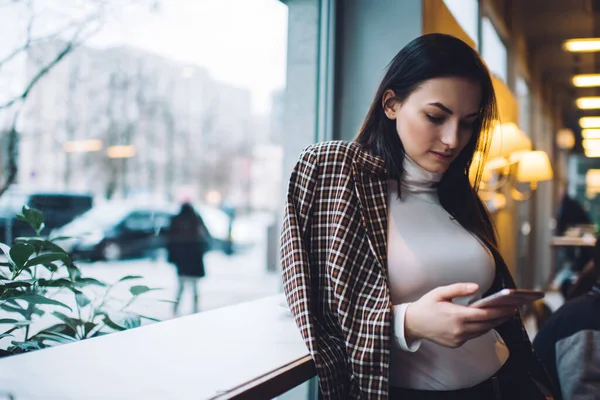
(450, 135)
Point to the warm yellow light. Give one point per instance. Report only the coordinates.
(592, 153)
(586, 80)
(582, 45)
(82, 146)
(588, 103)
(590, 133)
(565, 139)
(534, 167)
(489, 166)
(589, 122)
(120, 152)
(507, 139)
(591, 144)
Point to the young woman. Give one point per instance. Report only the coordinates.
(385, 243)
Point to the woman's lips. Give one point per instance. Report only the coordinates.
(441, 156)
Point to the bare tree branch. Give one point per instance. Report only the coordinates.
(69, 46)
(78, 38)
(30, 41)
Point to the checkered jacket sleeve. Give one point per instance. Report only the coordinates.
(301, 282)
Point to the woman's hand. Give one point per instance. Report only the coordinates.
(434, 317)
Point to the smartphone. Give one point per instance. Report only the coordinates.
(508, 298)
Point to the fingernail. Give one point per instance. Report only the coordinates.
(471, 286)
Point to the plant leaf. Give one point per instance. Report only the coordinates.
(109, 322)
(61, 328)
(82, 299)
(28, 345)
(150, 318)
(20, 253)
(41, 245)
(71, 322)
(39, 299)
(62, 282)
(47, 258)
(74, 272)
(122, 320)
(33, 217)
(11, 330)
(15, 284)
(141, 289)
(88, 327)
(88, 282)
(56, 337)
(20, 324)
(8, 321)
(12, 309)
(60, 238)
(130, 277)
(3, 335)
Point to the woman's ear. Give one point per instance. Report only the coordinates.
(390, 104)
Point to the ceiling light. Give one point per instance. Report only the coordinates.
(582, 45)
(586, 80)
(590, 133)
(592, 153)
(591, 144)
(589, 122)
(588, 103)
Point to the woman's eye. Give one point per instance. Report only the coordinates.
(435, 120)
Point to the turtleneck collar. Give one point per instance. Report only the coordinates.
(418, 179)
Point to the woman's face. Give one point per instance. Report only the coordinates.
(435, 122)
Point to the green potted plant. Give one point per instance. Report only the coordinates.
(45, 300)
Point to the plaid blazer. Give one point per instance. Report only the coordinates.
(334, 265)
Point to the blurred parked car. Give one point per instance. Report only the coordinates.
(59, 208)
(116, 231)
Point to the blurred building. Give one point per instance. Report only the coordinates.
(179, 125)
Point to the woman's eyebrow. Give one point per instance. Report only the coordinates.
(449, 111)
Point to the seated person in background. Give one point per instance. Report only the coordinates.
(569, 342)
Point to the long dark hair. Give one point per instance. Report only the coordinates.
(427, 57)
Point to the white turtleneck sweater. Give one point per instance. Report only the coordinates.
(427, 249)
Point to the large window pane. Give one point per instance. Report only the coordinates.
(118, 112)
(493, 49)
(466, 13)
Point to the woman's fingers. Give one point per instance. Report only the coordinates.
(487, 314)
(479, 328)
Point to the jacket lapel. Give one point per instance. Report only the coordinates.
(371, 189)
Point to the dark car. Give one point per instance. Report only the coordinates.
(59, 208)
(113, 232)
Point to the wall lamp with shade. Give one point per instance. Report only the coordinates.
(511, 147)
(508, 144)
(533, 167)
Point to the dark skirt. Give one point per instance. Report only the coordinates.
(504, 385)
